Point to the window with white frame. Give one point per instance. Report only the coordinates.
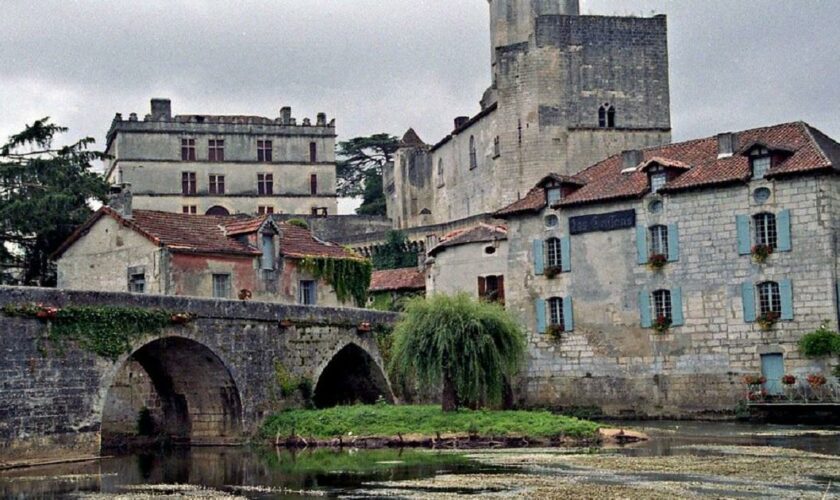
(658, 240)
(221, 286)
(769, 298)
(555, 311)
(553, 252)
(765, 229)
(306, 292)
(661, 305)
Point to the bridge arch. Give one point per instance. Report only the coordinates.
(351, 375)
(174, 388)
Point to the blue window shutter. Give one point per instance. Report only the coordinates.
(786, 294)
(748, 300)
(677, 318)
(673, 243)
(568, 315)
(539, 262)
(566, 254)
(641, 244)
(744, 243)
(783, 243)
(644, 309)
(539, 304)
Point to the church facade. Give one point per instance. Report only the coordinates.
(567, 90)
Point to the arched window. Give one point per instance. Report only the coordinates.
(658, 240)
(661, 305)
(553, 252)
(473, 157)
(611, 117)
(769, 298)
(602, 117)
(765, 229)
(217, 210)
(555, 311)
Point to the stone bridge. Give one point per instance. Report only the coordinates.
(210, 381)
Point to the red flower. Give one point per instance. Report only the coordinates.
(788, 380)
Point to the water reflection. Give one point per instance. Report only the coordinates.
(270, 473)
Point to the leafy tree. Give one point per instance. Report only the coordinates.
(394, 253)
(360, 164)
(44, 195)
(468, 348)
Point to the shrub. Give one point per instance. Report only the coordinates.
(298, 222)
(821, 342)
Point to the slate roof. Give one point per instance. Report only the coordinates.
(806, 148)
(411, 139)
(398, 279)
(475, 234)
(209, 234)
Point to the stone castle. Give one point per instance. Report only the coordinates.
(567, 90)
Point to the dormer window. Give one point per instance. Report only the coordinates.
(760, 162)
(553, 195)
(658, 178)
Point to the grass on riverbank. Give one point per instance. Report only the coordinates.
(423, 420)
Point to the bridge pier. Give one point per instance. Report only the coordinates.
(210, 381)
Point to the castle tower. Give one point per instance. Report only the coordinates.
(513, 21)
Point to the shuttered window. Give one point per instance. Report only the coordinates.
(658, 240)
(765, 229)
(553, 252)
(769, 298)
(555, 311)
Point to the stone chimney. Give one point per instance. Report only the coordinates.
(119, 199)
(286, 115)
(631, 158)
(161, 110)
(727, 144)
(321, 120)
(460, 121)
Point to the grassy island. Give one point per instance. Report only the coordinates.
(419, 421)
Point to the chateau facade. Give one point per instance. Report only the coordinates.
(567, 90)
(653, 281)
(220, 165)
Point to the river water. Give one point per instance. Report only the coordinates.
(682, 459)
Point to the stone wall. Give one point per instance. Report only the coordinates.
(52, 400)
(457, 269)
(610, 361)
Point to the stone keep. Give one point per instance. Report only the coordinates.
(149, 155)
(567, 90)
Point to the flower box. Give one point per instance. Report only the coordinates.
(555, 331)
(661, 324)
(553, 271)
(760, 253)
(364, 327)
(657, 261)
(181, 318)
(767, 321)
(788, 380)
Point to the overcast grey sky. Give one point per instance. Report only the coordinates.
(385, 65)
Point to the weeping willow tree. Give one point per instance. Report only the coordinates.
(469, 349)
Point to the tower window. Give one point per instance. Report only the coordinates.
(313, 152)
(606, 116)
(473, 155)
(497, 147)
(611, 117)
(313, 184)
(217, 184)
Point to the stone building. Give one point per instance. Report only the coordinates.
(390, 288)
(220, 165)
(146, 251)
(639, 279)
(473, 261)
(567, 90)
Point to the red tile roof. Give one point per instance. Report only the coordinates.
(397, 279)
(209, 234)
(298, 242)
(807, 150)
(476, 234)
